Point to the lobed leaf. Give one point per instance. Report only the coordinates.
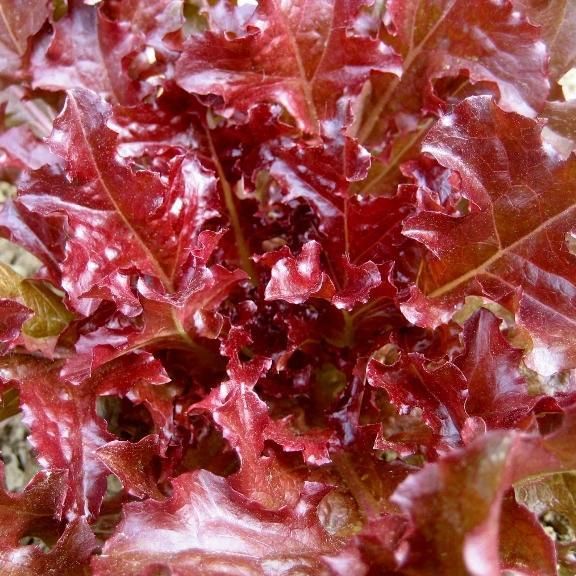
(306, 57)
(514, 234)
(208, 528)
(65, 429)
(18, 21)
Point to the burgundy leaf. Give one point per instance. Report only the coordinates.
(42, 236)
(307, 57)
(295, 280)
(131, 32)
(134, 463)
(496, 45)
(514, 236)
(23, 150)
(65, 428)
(524, 545)
(357, 284)
(71, 57)
(54, 435)
(246, 373)
(436, 391)
(244, 419)
(495, 52)
(18, 21)
(307, 287)
(13, 315)
(36, 511)
(454, 506)
(497, 391)
(365, 228)
(314, 445)
(161, 324)
(69, 557)
(558, 21)
(137, 377)
(107, 204)
(208, 528)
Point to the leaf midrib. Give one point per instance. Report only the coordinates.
(306, 86)
(413, 51)
(163, 276)
(10, 32)
(482, 268)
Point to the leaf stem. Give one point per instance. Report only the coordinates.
(241, 243)
(367, 504)
(398, 156)
(413, 52)
(304, 82)
(374, 116)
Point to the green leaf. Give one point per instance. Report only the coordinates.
(50, 314)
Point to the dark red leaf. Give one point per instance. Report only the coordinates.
(308, 58)
(514, 236)
(18, 21)
(65, 428)
(70, 56)
(244, 419)
(524, 545)
(497, 391)
(307, 286)
(497, 44)
(561, 126)
(295, 280)
(454, 507)
(107, 213)
(23, 150)
(364, 228)
(161, 324)
(414, 385)
(558, 21)
(69, 557)
(134, 464)
(13, 315)
(35, 512)
(248, 372)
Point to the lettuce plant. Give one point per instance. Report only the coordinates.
(307, 286)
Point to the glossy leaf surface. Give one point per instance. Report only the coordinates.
(514, 237)
(207, 528)
(292, 54)
(306, 299)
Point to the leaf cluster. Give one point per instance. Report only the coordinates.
(307, 286)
